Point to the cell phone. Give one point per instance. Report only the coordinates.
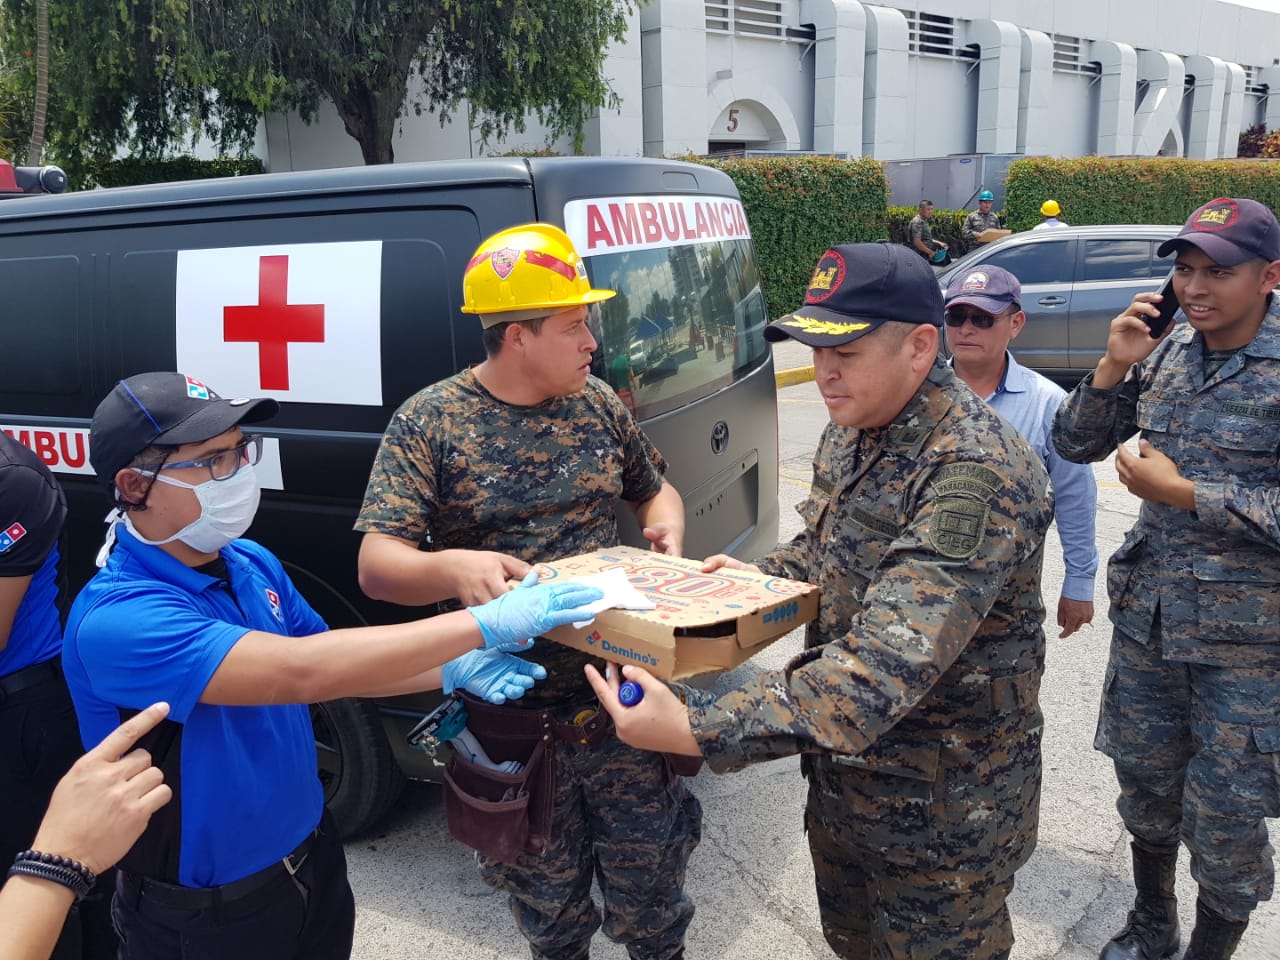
(1167, 306)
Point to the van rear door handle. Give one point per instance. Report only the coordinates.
(1051, 301)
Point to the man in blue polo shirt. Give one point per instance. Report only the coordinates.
(243, 862)
(983, 314)
(38, 737)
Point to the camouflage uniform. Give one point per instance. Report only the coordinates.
(921, 230)
(1191, 703)
(916, 700)
(460, 469)
(978, 221)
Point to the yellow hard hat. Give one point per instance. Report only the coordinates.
(525, 272)
(1050, 208)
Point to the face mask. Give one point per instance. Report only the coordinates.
(227, 507)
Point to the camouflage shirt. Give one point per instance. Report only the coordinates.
(921, 230)
(976, 222)
(1213, 574)
(926, 538)
(460, 469)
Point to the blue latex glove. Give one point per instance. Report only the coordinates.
(491, 675)
(530, 610)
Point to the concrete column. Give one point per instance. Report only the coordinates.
(1271, 77)
(620, 132)
(999, 79)
(1206, 106)
(884, 85)
(1232, 111)
(1115, 101)
(840, 28)
(1157, 116)
(673, 52)
(1035, 94)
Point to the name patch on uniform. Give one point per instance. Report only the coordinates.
(1252, 410)
(957, 527)
(822, 484)
(966, 478)
(881, 526)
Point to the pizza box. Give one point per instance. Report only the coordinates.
(992, 233)
(702, 622)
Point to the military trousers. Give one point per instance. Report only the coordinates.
(908, 867)
(622, 817)
(1197, 755)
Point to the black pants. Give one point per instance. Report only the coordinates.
(308, 916)
(39, 741)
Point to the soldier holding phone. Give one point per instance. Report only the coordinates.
(1191, 699)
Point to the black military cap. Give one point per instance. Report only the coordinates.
(855, 288)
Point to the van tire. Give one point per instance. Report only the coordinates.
(360, 776)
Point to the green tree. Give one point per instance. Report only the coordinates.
(150, 73)
(504, 57)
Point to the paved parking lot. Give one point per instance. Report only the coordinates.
(419, 896)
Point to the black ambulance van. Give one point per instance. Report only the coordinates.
(338, 293)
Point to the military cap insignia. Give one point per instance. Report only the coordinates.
(504, 261)
(1217, 215)
(826, 327)
(827, 277)
(957, 526)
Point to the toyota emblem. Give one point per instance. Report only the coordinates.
(719, 438)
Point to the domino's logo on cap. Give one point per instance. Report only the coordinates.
(11, 535)
(197, 390)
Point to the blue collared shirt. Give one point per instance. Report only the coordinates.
(1029, 401)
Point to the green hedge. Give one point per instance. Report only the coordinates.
(128, 171)
(1103, 190)
(799, 206)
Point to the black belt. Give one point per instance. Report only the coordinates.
(145, 890)
(11, 684)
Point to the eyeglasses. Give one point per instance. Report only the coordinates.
(222, 465)
(979, 319)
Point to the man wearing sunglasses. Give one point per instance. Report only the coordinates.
(983, 314)
(244, 862)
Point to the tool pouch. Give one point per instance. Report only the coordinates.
(502, 815)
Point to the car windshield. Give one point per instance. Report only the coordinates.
(687, 320)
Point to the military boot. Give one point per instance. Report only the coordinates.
(1151, 932)
(1214, 938)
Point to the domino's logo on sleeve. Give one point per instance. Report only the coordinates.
(11, 535)
(273, 601)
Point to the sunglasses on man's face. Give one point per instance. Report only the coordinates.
(979, 319)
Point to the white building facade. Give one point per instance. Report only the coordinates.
(896, 80)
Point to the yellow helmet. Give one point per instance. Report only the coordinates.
(1050, 208)
(525, 272)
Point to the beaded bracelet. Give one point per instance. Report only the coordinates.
(50, 866)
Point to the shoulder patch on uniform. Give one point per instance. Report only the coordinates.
(957, 526)
(967, 478)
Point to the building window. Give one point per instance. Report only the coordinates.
(1068, 56)
(934, 35)
(1251, 83)
(753, 18)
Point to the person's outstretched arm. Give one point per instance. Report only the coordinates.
(96, 813)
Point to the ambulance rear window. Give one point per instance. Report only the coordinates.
(687, 321)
